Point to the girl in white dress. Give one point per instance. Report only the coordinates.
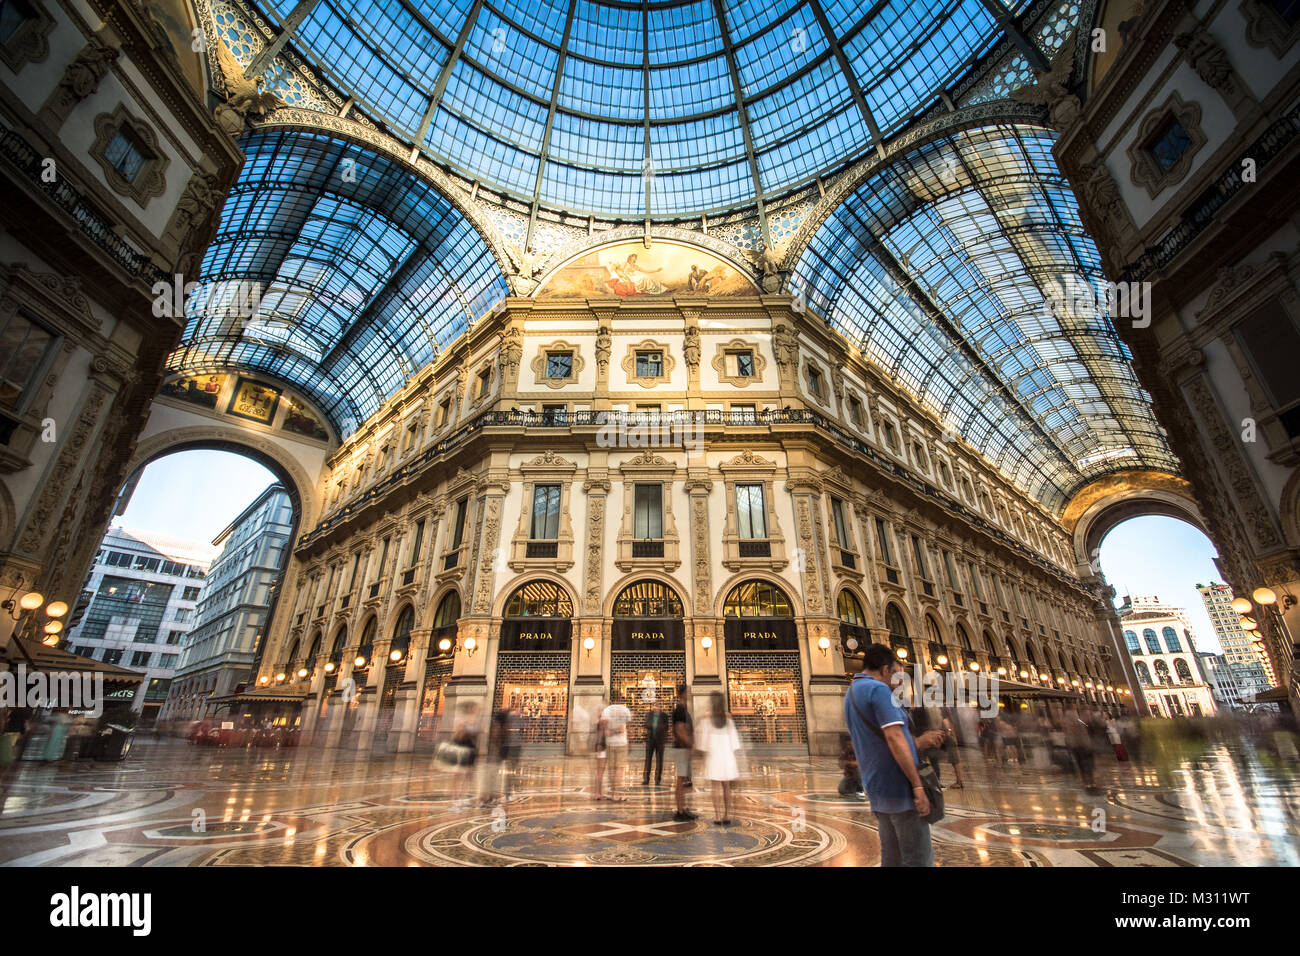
(717, 738)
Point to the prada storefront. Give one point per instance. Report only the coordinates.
(647, 651)
(437, 670)
(764, 685)
(533, 660)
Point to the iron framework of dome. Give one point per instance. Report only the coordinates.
(936, 262)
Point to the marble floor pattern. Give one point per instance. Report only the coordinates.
(174, 804)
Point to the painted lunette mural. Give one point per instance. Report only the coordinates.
(629, 269)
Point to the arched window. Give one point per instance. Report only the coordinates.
(289, 657)
(1182, 670)
(932, 630)
(315, 647)
(367, 646)
(894, 621)
(1144, 675)
(1171, 640)
(851, 610)
(539, 599)
(964, 638)
(1153, 643)
(340, 639)
(402, 630)
(1131, 640)
(448, 612)
(1029, 654)
(648, 599)
(1162, 673)
(757, 599)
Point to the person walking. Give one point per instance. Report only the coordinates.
(886, 755)
(465, 736)
(719, 741)
(683, 747)
(615, 719)
(656, 732)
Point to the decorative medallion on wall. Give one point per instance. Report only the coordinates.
(630, 270)
(1166, 142)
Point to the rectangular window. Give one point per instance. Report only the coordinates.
(744, 414)
(751, 519)
(951, 570)
(444, 412)
(841, 524)
(882, 537)
(167, 660)
(112, 655)
(918, 550)
(855, 411)
(546, 513)
(417, 543)
(648, 511)
(484, 380)
(553, 414)
(1169, 144)
(140, 659)
(383, 559)
(458, 536)
(743, 364)
(13, 15)
(25, 348)
(559, 364)
(182, 614)
(356, 564)
(1271, 341)
(814, 381)
(126, 154)
(976, 583)
(649, 364)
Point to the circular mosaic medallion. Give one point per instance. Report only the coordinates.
(622, 837)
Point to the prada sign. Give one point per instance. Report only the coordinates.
(761, 634)
(649, 634)
(537, 634)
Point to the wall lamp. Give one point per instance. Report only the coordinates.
(706, 642)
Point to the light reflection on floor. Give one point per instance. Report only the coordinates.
(174, 804)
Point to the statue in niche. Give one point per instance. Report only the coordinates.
(692, 347)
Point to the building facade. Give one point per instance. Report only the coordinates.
(1159, 641)
(1242, 651)
(237, 599)
(1223, 681)
(1181, 138)
(143, 590)
(582, 502)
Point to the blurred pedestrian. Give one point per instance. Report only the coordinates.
(656, 732)
(504, 746)
(851, 783)
(683, 748)
(616, 718)
(464, 738)
(719, 741)
(948, 725)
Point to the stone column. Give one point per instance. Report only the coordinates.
(704, 663)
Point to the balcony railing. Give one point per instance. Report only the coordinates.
(647, 549)
(755, 549)
(542, 549)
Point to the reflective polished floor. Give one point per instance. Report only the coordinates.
(173, 804)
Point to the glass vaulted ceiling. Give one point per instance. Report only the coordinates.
(363, 270)
(939, 265)
(630, 109)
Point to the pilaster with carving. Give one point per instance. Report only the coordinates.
(698, 486)
(597, 488)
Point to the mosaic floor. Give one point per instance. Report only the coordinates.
(172, 804)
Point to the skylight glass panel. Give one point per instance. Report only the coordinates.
(505, 52)
(773, 56)
(606, 91)
(607, 33)
(543, 20)
(747, 17)
(687, 32)
(682, 91)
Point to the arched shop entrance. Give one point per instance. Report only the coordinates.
(330, 679)
(394, 674)
(360, 669)
(533, 657)
(764, 679)
(437, 669)
(854, 636)
(647, 650)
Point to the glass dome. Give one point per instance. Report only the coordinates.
(655, 109)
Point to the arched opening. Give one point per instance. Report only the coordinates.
(533, 660)
(854, 635)
(194, 524)
(896, 624)
(647, 651)
(437, 669)
(764, 678)
(394, 673)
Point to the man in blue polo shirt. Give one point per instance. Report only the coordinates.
(886, 755)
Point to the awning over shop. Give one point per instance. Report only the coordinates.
(39, 657)
(1022, 691)
(1274, 695)
(284, 695)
